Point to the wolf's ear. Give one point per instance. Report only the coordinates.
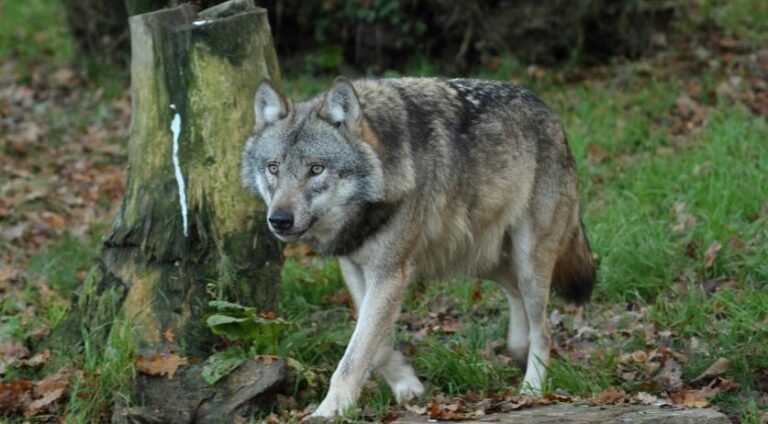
(341, 105)
(269, 106)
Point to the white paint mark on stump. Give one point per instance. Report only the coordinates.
(176, 130)
(199, 22)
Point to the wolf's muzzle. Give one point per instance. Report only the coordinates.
(281, 220)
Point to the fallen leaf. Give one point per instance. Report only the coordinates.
(477, 292)
(446, 412)
(267, 359)
(54, 220)
(45, 402)
(519, 403)
(718, 368)
(14, 395)
(711, 253)
(610, 397)
(169, 335)
(339, 298)
(12, 351)
(646, 398)
(694, 398)
(639, 356)
(63, 77)
(37, 360)
(160, 364)
(60, 380)
(450, 324)
(16, 231)
(596, 153)
(416, 409)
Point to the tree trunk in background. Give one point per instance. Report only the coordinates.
(187, 232)
(98, 29)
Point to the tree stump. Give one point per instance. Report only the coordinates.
(187, 232)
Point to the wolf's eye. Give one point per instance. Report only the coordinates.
(316, 169)
(272, 168)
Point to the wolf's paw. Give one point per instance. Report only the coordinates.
(325, 411)
(529, 390)
(336, 403)
(401, 378)
(407, 389)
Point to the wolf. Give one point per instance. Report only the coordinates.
(423, 178)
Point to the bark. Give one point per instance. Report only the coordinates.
(187, 232)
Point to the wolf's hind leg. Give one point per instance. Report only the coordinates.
(391, 364)
(534, 272)
(517, 336)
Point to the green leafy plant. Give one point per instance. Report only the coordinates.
(241, 323)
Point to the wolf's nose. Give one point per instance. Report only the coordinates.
(281, 220)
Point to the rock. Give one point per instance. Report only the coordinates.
(586, 414)
(188, 399)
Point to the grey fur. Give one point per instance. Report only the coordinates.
(425, 178)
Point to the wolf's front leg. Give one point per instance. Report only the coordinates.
(391, 364)
(377, 315)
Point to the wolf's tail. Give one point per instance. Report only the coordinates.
(576, 269)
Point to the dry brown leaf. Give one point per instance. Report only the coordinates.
(340, 298)
(711, 254)
(450, 324)
(12, 351)
(450, 412)
(44, 403)
(267, 359)
(694, 398)
(160, 364)
(63, 77)
(54, 220)
(416, 409)
(37, 360)
(596, 153)
(639, 356)
(518, 403)
(611, 396)
(169, 335)
(14, 395)
(49, 391)
(556, 397)
(646, 398)
(477, 292)
(59, 380)
(718, 368)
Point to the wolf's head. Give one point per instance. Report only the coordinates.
(313, 163)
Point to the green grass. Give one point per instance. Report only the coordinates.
(34, 30)
(108, 372)
(62, 264)
(629, 200)
(747, 18)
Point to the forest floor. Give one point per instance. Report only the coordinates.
(672, 152)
